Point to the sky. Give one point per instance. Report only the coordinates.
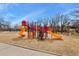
(16, 12)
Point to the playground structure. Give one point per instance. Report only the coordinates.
(39, 32)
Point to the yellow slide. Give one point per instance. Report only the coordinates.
(55, 36)
(22, 31)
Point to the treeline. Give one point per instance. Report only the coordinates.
(6, 25)
(58, 23)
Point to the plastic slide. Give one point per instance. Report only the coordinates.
(22, 31)
(55, 36)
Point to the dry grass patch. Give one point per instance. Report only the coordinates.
(70, 45)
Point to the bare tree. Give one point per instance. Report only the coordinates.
(63, 21)
(75, 14)
(1, 23)
(54, 22)
(4, 25)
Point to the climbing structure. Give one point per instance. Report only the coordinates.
(40, 31)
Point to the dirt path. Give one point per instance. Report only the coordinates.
(9, 50)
